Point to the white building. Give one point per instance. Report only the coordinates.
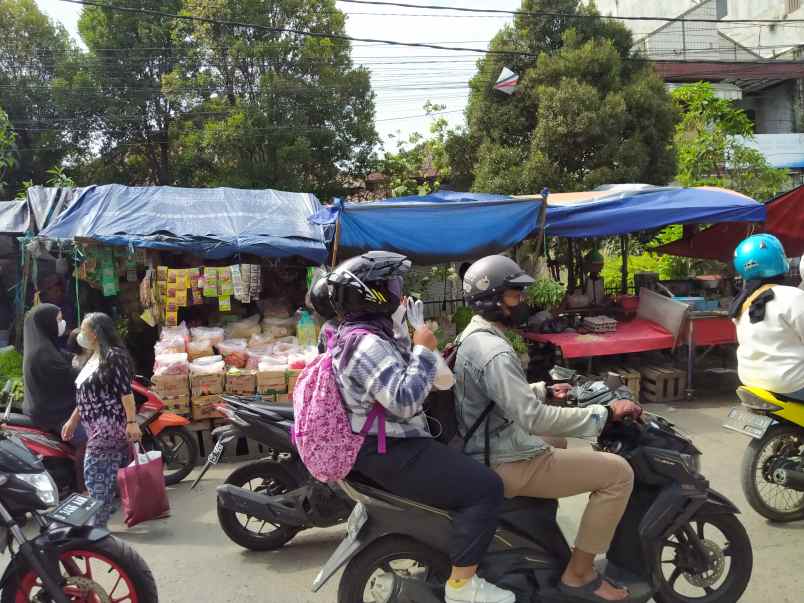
(759, 65)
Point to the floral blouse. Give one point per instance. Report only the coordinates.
(100, 403)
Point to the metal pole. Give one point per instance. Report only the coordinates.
(624, 272)
(542, 222)
(337, 242)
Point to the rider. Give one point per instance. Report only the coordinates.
(769, 318)
(381, 367)
(488, 371)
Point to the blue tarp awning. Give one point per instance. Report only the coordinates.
(442, 228)
(648, 208)
(214, 222)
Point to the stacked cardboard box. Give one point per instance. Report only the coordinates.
(206, 390)
(204, 407)
(174, 391)
(241, 382)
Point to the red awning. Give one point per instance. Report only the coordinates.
(785, 220)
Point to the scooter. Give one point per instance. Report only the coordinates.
(773, 463)
(163, 431)
(678, 541)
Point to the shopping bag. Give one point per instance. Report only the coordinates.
(142, 488)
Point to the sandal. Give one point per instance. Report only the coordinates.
(587, 591)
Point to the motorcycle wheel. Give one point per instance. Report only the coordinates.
(730, 562)
(106, 570)
(179, 452)
(767, 498)
(247, 531)
(365, 577)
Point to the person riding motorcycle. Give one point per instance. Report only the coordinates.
(769, 318)
(493, 396)
(381, 367)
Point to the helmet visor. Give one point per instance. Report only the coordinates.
(395, 286)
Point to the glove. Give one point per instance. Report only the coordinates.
(416, 313)
(398, 317)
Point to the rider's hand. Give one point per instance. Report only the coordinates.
(560, 390)
(424, 336)
(68, 431)
(133, 432)
(620, 409)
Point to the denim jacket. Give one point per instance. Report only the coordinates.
(486, 369)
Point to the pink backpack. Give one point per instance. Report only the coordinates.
(322, 432)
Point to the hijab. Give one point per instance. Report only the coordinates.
(49, 375)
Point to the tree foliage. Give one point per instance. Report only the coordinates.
(711, 141)
(586, 111)
(8, 149)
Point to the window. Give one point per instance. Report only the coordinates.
(722, 8)
(791, 6)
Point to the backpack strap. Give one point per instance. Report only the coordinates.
(753, 297)
(377, 415)
(476, 425)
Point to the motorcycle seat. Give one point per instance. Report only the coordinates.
(20, 420)
(286, 412)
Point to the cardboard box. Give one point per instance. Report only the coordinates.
(206, 385)
(293, 376)
(277, 398)
(242, 383)
(171, 386)
(179, 405)
(270, 382)
(204, 408)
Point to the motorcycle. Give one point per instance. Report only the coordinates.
(773, 463)
(263, 504)
(69, 560)
(678, 541)
(163, 431)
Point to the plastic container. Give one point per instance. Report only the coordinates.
(306, 330)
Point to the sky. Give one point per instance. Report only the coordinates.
(403, 78)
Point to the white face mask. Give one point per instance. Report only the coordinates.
(85, 342)
(62, 327)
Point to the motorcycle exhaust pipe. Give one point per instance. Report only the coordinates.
(273, 509)
(789, 478)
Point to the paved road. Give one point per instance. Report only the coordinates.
(194, 561)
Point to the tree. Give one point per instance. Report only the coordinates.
(587, 111)
(711, 141)
(34, 71)
(8, 149)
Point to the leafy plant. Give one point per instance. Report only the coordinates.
(545, 293)
(517, 342)
(11, 371)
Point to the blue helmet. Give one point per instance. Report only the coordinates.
(760, 256)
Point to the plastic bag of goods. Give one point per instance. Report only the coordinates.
(283, 350)
(199, 349)
(270, 364)
(233, 352)
(208, 368)
(171, 364)
(255, 356)
(258, 340)
(278, 327)
(212, 334)
(180, 331)
(243, 329)
(170, 345)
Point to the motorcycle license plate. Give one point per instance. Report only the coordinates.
(76, 510)
(747, 423)
(215, 456)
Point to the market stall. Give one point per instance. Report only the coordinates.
(208, 284)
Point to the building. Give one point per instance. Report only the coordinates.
(758, 65)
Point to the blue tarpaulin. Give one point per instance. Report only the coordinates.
(215, 223)
(444, 228)
(648, 208)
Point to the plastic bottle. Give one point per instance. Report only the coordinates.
(306, 330)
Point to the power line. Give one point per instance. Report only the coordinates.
(551, 14)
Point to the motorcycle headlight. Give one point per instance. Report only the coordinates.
(692, 462)
(45, 487)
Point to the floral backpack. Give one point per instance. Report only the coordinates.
(322, 432)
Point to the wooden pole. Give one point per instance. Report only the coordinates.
(337, 242)
(624, 247)
(542, 221)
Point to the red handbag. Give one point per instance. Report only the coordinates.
(142, 489)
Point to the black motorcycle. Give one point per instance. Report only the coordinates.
(263, 504)
(679, 541)
(69, 560)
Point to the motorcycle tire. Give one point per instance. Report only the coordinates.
(378, 555)
(178, 438)
(120, 557)
(270, 479)
(750, 476)
(739, 572)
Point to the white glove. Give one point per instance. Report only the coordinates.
(416, 313)
(398, 317)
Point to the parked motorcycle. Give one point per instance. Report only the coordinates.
(678, 541)
(68, 561)
(773, 463)
(263, 504)
(163, 431)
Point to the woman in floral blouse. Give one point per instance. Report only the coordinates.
(105, 406)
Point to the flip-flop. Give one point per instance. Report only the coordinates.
(587, 591)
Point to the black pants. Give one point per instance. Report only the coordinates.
(434, 474)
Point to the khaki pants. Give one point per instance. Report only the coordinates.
(560, 473)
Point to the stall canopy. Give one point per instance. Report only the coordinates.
(434, 229)
(13, 217)
(624, 209)
(42, 206)
(215, 223)
(785, 219)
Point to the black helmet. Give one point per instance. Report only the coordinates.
(319, 299)
(488, 279)
(370, 283)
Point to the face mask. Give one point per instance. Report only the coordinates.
(62, 327)
(85, 342)
(518, 315)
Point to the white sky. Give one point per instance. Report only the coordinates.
(402, 88)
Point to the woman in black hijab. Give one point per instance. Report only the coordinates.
(48, 373)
